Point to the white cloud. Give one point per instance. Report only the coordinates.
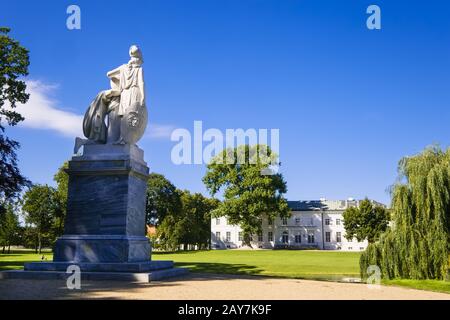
(44, 113)
(159, 131)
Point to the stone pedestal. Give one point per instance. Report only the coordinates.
(105, 224)
(105, 207)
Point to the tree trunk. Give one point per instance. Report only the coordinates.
(39, 243)
(247, 240)
(9, 247)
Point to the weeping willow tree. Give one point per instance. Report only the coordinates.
(417, 245)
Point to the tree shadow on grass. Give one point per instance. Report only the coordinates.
(14, 264)
(208, 271)
(188, 252)
(220, 268)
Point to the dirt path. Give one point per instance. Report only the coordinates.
(210, 287)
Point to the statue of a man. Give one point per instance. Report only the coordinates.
(124, 104)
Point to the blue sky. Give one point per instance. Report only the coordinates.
(349, 102)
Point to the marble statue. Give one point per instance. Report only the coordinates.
(118, 115)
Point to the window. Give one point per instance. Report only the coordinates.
(240, 236)
(217, 221)
(298, 238)
(270, 221)
(350, 248)
(311, 238)
(327, 222)
(270, 236)
(217, 235)
(338, 222)
(350, 240)
(361, 248)
(228, 236)
(284, 221)
(338, 237)
(297, 221)
(327, 236)
(285, 237)
(260, 237)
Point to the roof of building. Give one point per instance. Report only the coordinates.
(323, 204)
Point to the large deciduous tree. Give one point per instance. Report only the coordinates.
(196, 219)
(14, 62)
(249, 193)
(62, 181)
(417, 246)
(162, 199)
(40, 205)
(9, 227)
(190, 226)
(367, 221)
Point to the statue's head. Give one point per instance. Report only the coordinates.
(136, 54)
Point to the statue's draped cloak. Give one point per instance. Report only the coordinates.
(94, 127)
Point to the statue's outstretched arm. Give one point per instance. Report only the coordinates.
(114, 76)
(114, 73)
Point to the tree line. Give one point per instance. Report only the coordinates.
(182, 219)
(42, 211)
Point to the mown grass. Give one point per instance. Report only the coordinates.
(429, 285)
(282, 263)
(17, 258)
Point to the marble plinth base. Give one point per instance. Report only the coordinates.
(155, 275)
(102, 248)
(135, 272)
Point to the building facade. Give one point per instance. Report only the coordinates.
(317, 224)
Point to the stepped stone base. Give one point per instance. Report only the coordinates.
(136, 272)
(101, 248)
(96, 276)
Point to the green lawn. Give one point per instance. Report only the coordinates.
(287, 264)
(319, 265)
(17, 258)
(429, 285)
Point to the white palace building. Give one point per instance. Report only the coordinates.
(316, 224)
